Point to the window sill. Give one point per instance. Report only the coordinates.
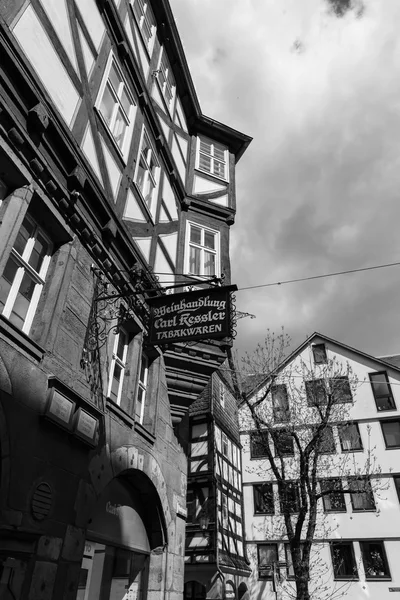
(392, 447)
(264, 514)
(113, 407)
(145, 433)
(379, 578)
(20, 339)
(352, 450)
(338, 512)
(346, 578)
(363, 510)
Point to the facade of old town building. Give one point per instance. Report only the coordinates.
(114, 188)
(356, 548)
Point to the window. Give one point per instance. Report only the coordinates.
(258, 444)
(147, 173)
(391, 433)
(146, 22)
(350, 439)
(316, 392)
(362, 497)
(203, 251)
(116, 106)
(340, 389)
(166, 80)
(374, 559)
(221, 394)
(343, 560)
(290, 497)
(24, 275)
(118, 365)
(289, 562)
(264, 499)
(267, 556)
(224, 445)
(382, 391)
(284, 444)
(142, 389)
(211, 158)
(280, 403)
(334, 500)
(224, 510)
(319, 353)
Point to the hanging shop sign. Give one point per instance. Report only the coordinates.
(203, 314)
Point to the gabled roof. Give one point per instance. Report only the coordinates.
(390, 361)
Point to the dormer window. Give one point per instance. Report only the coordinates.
(212, 158)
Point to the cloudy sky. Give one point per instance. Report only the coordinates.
(318, 189)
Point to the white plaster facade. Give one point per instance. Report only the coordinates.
(380, 525)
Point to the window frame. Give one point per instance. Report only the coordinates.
(142, 386)
(154, 178)
(294, 485)
(216, 252)
(389, 396)
(311, 394)
(120, 362)
(211, 156)
(142, 20)
(348, 576)
(253, 441)
(316, 348)
(396, 482)
(277, 409)
(124, 148)
(355, 493)
(269, 493)
(340, 492)
(284, 432)
(386, 576)
(265, 565)
(344, 426)
(382, 423)
(24, 268)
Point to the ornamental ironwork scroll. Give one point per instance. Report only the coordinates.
(110, 308)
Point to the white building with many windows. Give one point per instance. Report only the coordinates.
(356, 548)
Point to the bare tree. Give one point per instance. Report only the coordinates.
(291, 407)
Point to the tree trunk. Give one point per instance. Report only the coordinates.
(302, 592)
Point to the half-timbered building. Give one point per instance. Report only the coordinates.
(216, 565)
(113, 187)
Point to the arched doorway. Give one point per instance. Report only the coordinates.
(122, 531)
(194, 590)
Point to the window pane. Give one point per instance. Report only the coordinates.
(343, 560)
(319, 353)
(280, 403)
(362, 498)
(349, 437)
(141, 174)
(115, 382)
(391, 431)
(316, 392)
(284, 444)
(40, 250)
(194, 260)
(205, 163)
(382, 391)
(121, 345)
(340, 388)
(120, 126)
(334, 501)
(195, 235)
(327, 441)
(219, 168)
(209, 240)
(264, 499)
(374, 559)
(258, 444)
(26, 232)
(114, 78)
(209, 263)
(22, 301)
(126, 102)
(107, 104)
(205, 147)
(6, 280)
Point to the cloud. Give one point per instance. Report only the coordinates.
(317, 190)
